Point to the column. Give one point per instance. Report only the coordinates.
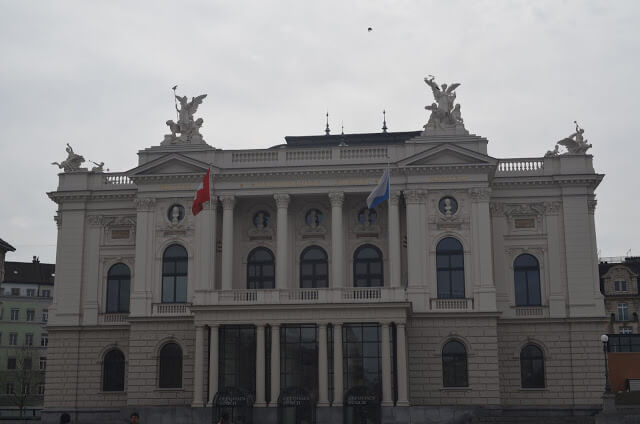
(484, 290)
(90, 303)
(337, 240)
(145, 225)
(204, 254)
(198, 370)
(228, 202)
(413, 198)
(395, 274)
(558, 285)
(275, 364)
(213, 363)
(401, 362)
(260, 399)
(323, 385)
(338, 385)
(387, 399)
(282, 203)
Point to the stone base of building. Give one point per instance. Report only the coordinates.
(332, 415)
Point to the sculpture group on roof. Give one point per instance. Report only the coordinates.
(444, 114)
(575, 144)
(186, 130)
(72, 162)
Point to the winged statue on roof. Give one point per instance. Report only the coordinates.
(186, 130)
(445, 115)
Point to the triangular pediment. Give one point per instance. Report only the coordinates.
(171, 164)
(447, 154)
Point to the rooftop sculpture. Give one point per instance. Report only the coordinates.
(575, 144)
(186, 130)
(72, 162)
(445, 118)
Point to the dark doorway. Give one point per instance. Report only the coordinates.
(236, 403)
(296, 406)
(361, 406)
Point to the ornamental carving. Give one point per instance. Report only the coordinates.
(496, 209)
(480, 194)
(95, 220)
(313, 225)
(394, 198)
(228, 201)
(260, 227)
(145, 204)
(58, 219)
(336, 199)
(553, 208)
(282, 200)
(513, 252)
(414, 197)
(591, 206)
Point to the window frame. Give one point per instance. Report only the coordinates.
(169, 364)
(456, 362)
(532, 380)
(28, 339)
(368, 275)
(622, 314)
(175, 261)
(110, 366)
(44, 340)
(449, 269)
(258, 281)
(314, 277)
(13, 339)
(121, 283)
(527, 272)
(15, 314)
(31, 315)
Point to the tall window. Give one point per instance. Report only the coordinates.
(367, 267)
(623, 312)
(174, 274)
(237, 360)
(170, 367)
(113, 371)
(454, 365)
(450, 268)
(532, 367)
(261, 269)
(118, 283)
(15, 314)
(362, 363)
(299, 356)
(314, 269)
(526, 278)
(28, 339)
(44, 340)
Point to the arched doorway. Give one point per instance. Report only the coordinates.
(361, 406)
(236, 403)
(296, 406)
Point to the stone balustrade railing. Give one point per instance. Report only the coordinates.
(171, 309)
(113, 319)
(449, 305)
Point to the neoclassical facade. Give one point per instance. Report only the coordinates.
(473, 290)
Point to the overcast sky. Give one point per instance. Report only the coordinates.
(99, 74)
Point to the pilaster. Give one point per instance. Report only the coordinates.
(198, 371)
(338, 385)
(484, 289)
(213, 363)
(141, 292)
(395, 267)
(275, 364)
(228, 203)
(401, 360)
(387, 398)
(260, 369)
(323, 387)
(337, 240)
(415, 247)
(282, 245)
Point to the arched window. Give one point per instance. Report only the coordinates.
(314, 269)
(118, 283)
(174, 274)
(526, 276)
(113, 371)
(532, 367)
(261, 269)
(450, 268)
(367, 267)
(454, 365)
(170, 366)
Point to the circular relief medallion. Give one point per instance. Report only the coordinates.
(175, 213)
(261, 219)
(448, 206)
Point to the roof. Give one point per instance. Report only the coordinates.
(29, 272)
(6, 246)
(631, 262)
(381, 138)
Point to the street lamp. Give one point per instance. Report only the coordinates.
(605, 344)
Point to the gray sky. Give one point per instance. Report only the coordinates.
(99, 75)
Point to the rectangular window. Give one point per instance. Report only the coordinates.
(623, 312)
(299, 356)
(27, 364)
(621, 286)
(11, 363)
(41, 389)
(13, 339)
(626, 330)
(44, 340)
(31, 292)
(362, 362)
(26, 388)
(237, 360)
(31, 314)
(15, 314)
(46, 293)
(45, 315)
(28, 339)
(43, 362)
(15, 292)
(11, 388)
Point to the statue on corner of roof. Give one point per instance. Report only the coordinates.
(575, 144)
(186, 130)
(72, 162)
(445, 118)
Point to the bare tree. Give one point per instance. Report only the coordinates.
(21, 381)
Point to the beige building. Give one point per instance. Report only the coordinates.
(473, 290)
(619, 284)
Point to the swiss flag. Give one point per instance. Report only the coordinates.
(202, 195)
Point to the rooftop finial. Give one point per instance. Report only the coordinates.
(342, 128)
(327, 131)
(384, 121)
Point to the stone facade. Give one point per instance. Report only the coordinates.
(619, 284)
(311, 193)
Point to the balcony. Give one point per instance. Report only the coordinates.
(171, 309)
(304, 296)
(451, 305)
(113, 319)
(530, 311)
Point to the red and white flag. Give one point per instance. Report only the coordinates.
(202, 195)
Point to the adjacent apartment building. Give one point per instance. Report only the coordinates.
(473, 288)
(26, 292)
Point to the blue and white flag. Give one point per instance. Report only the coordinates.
(381, 192)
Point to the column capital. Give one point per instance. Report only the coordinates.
(394, 198)
(336, 198)
(385, 323)
(401, 324)
(282, 200)
(199, 326)
(480, 194)
(415, 197)
(212, 326)
(260, 325)
(145, 204)
(322, 324)
(228, 201)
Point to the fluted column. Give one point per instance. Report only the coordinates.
(395, 274)
(401, 362)
(260, 371)
(337, 240)
(413, 199)
(228, 202)
(275, 364)
(213, 363)
(323, 386)
(282, 203)
(198, 371)
(387, 399)
(338, 385)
